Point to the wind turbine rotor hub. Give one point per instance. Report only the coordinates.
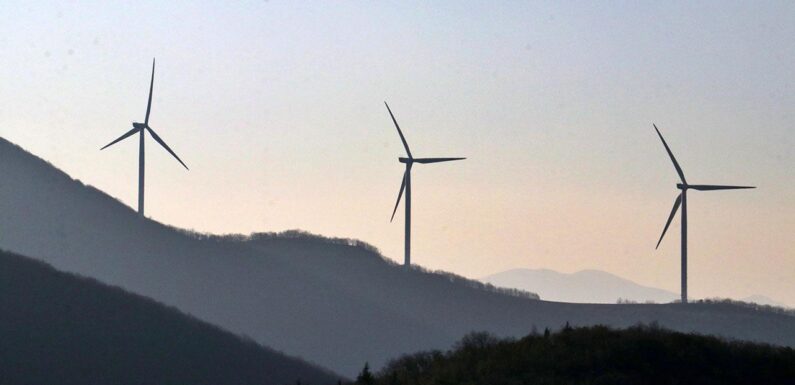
(405, 160)
(681, 186)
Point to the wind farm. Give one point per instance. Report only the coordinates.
(275, 261)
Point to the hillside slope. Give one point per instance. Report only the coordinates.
(57, 328)
(335, 303)
(586, 286)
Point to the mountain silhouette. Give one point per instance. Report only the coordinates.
(590, 286)
(58, 328)
(586, 286)
(335, 302)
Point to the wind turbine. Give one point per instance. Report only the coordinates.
(141, 129)
(406, 185)
(682, 200)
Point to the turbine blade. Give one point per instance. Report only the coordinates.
(402, 138)
(677, 202)
(162, 143)
(435, 160)
(707, 187)
(400, 194)
(133, 131)
(671, 154)
(151, 86)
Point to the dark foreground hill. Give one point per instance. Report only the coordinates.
(593, 355)
(58, 328)
(335, 302)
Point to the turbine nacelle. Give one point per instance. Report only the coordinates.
(139, 126)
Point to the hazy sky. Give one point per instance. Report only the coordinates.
(277, 108)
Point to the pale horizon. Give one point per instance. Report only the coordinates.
(277, 108)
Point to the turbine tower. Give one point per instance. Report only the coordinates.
(682, 200)
(406, 185)
(141, 129)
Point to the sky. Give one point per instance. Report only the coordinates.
(277, 108)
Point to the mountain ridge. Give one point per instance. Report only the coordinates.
(336, 304)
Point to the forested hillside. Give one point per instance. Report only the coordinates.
(593, 355)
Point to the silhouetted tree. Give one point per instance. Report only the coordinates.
(365, 377)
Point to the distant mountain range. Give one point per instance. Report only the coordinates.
(763, 300)
(586, 286)
(589, 286)
(58, 328)
(334, 302)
